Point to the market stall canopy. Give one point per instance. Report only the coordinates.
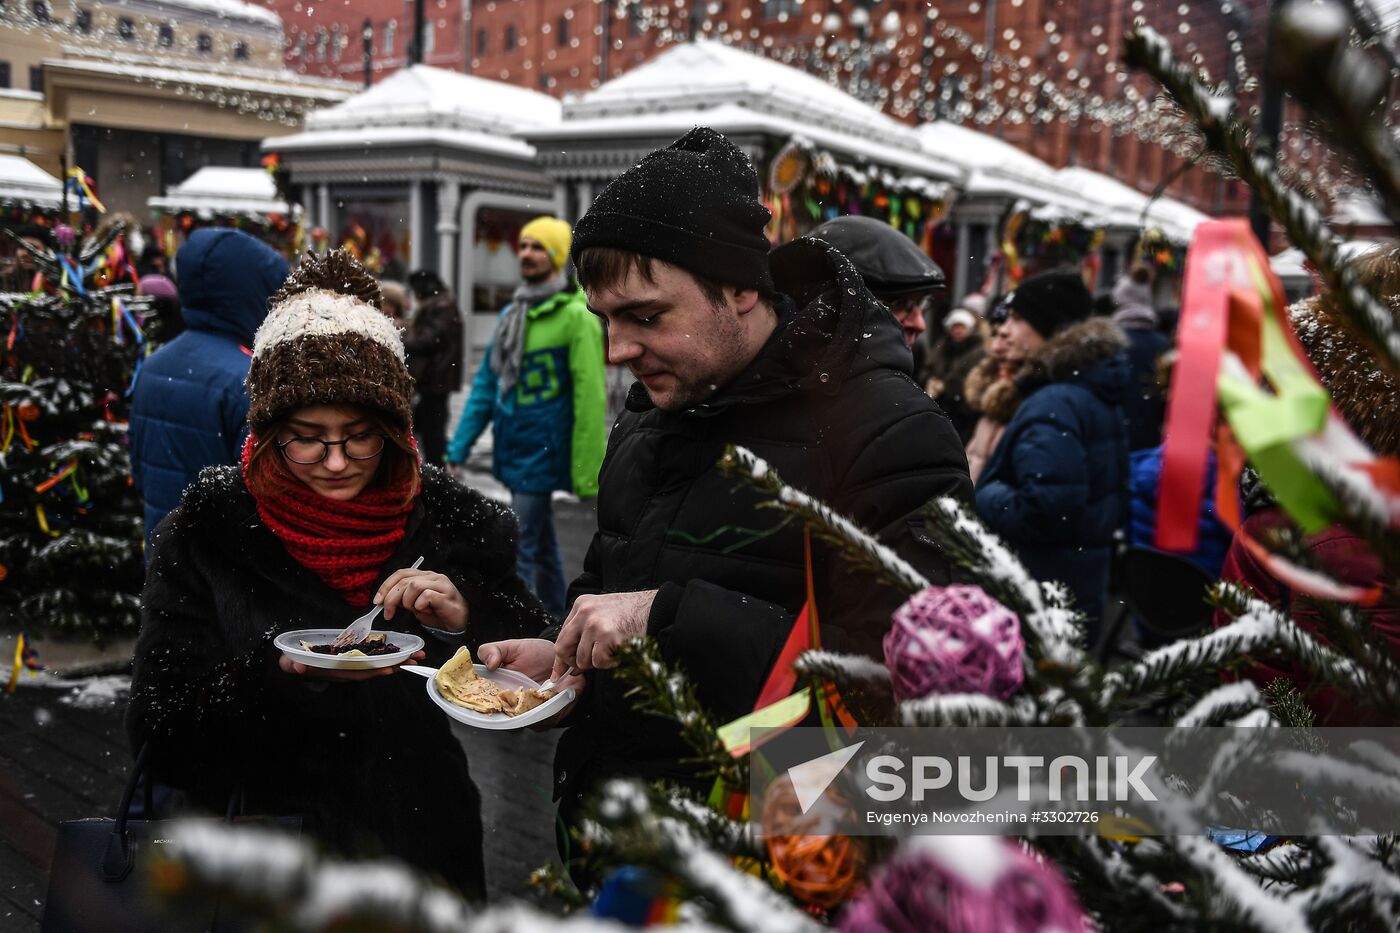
(1290, 264)
(423, 105)
(1127, 208)
(211, 192)
(23, 182)
(996, 169)
(737, 93)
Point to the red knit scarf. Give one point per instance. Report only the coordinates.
(344, 543)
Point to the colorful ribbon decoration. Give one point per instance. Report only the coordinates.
(25, 657)
(1008, 246)
(77, 184)
(776, 708)
(1233, 338)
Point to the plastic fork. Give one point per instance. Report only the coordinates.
(550, 684)
(356, 631)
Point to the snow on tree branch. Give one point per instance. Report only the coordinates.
(1055, 633)
(967, 709)
(1148, 51)
(1222, 704)
(858, 546)
(276, 877)
(1258, 630)
(626, 822)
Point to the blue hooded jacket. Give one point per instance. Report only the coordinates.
(189, 409)
(1056, 487)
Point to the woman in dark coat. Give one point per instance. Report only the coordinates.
(328, 507)
(1056, 486)
(434, 344)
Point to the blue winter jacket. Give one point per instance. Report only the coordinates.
(189, 409)
(1144, 483)
(1056, 486)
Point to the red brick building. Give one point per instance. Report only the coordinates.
(1054, 64)
(328, 39)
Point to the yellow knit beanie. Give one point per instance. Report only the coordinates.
(554, 234)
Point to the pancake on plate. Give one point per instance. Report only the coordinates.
(458, 682)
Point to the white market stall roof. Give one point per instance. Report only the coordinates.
(1289, 263)
(712, 84)
(423, 104)
(1122, 206)
(996, 168)
(230, 10)
(211, 191)
(21, 181)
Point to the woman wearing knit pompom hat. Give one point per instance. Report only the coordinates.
(327, 509)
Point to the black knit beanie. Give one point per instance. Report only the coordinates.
(1051, 301)
(693, 204)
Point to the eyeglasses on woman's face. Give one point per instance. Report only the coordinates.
(306, 450)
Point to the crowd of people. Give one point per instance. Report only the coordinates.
(323, 425)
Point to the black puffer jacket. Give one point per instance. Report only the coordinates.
(373, 766)
(434, 344)
(831, 405)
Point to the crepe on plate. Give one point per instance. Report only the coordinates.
(458, 682)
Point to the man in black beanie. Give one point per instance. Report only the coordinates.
(789, 356)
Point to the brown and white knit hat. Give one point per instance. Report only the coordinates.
(327, 342)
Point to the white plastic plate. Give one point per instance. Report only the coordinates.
(498, 721)
(289, 643)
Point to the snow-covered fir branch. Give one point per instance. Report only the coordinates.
(967, 709)
(1365, 671)
(1222, 704)
(1053, 631)
(1148, 51)
(277, 877)
(863, 683)
(655, 688)
(844, 669)
(858, 546)
(1340, 86)
(1259, 630)
(1242, 894)
(1355, 882)
(627, 825)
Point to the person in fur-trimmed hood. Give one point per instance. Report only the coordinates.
(1056, 486)
(327, 508)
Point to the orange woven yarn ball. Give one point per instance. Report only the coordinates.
(821, 870)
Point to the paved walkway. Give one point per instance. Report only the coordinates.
(63, 756)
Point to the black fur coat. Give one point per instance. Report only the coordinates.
(373, 767)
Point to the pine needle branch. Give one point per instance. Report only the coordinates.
(857, 546)
(1340, 85)
(627, 825)
(1148, 51)
(1259, 630)
(1055, 636)
(657, 689)
(1369, 675)
(864, 684)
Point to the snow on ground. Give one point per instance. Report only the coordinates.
(88, 693)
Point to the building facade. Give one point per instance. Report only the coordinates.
(142, 93)
(339, 40)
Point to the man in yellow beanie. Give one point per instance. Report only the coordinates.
(541, 387)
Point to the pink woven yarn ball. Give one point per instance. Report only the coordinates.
(954, 639)
(969, 884)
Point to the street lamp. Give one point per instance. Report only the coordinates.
(367, 33)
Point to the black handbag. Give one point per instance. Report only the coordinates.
(98, 880)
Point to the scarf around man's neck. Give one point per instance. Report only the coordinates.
(508, 344)
(346, 544)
